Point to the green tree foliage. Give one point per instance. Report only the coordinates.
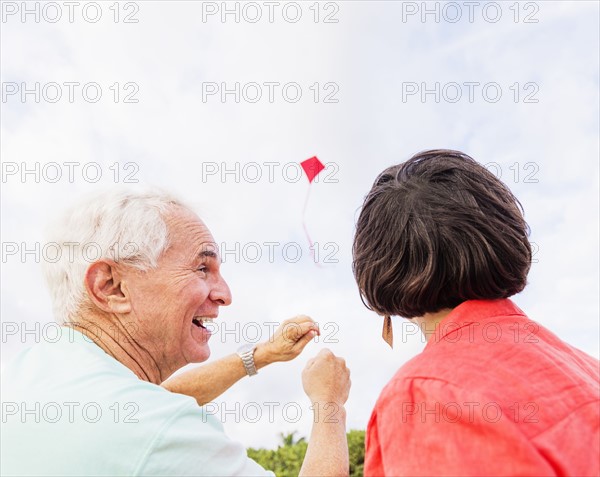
(356, 452)
(287, 459)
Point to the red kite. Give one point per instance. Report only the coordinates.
(312, 167)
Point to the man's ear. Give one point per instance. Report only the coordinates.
(104, 287)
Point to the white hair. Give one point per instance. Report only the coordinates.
(124, 226)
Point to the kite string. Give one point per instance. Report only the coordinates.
(310, 242)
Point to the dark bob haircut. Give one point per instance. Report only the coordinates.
(435, 231)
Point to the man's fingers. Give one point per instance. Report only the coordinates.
(297, 331)
(301, 344)
(299, 319)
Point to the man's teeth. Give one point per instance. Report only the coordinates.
(201, 321)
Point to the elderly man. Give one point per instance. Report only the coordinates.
(99, 400)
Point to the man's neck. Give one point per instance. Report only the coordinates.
(119, 342)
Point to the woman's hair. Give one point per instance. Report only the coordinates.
(435, 231)
(124, 226)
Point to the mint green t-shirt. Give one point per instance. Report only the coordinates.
(69, 408)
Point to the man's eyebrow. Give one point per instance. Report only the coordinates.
(210, 254)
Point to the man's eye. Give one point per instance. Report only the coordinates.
(202, 268)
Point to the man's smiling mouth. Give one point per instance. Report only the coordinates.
(200, 321)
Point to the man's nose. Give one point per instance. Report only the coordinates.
(221, 293)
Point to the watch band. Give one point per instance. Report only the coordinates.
(246, 353)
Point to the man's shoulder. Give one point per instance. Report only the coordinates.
(77, 370)
(71, 399)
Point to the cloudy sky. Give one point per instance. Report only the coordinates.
(218, 103)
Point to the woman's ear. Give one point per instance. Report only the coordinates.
(105, 288)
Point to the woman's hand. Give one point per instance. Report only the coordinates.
(287, 342)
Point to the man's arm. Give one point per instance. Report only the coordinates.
(326, 381)
(209, 381)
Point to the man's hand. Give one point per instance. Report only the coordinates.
(209, 381)
(287, 342)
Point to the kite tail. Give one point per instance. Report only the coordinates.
(310, 242)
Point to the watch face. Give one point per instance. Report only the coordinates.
(247, 347)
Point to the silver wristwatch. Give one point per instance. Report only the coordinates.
(246, 352)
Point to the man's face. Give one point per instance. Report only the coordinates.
(168, 302)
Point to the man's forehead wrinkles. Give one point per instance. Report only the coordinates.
(208, 246)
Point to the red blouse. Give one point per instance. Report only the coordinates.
(493, 393)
